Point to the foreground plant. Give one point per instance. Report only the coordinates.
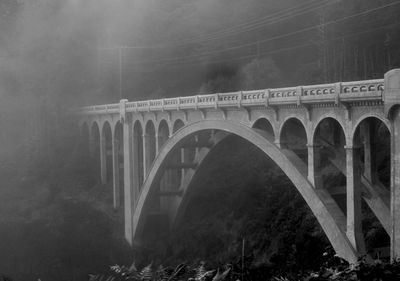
(161, 273)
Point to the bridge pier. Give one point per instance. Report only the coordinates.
(314, 160)
(353, 199)
(116, 175)
(146, 154)
(368, 132)
(392, 112)
(103, 161)
(129, 200)
(395, 185)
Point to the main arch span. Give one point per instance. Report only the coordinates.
(322, 205)
(351, 128)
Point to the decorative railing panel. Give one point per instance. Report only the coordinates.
(356, 91)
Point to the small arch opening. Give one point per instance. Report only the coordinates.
(177, 125)
(293, 136)
(163, 133)
(330, 159)
(150, 145)
(264, 125)
(372, 141)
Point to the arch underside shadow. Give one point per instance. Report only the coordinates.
(323, 206)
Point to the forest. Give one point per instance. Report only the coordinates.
(56, 218)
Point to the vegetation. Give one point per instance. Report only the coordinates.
(338, 271)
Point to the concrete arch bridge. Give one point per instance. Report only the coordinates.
(152, 150)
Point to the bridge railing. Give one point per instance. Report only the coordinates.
(324, 93)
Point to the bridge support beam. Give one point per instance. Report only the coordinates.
(392, 111)
(395, 185)
(314, 159)
(353, 199)
(116, 175)
(367, 131)
(128, 181)
(103, 162)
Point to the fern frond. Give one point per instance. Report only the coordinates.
(146, 273)
(133, 268)
(202, 273)
(222, 276)
(179, 271)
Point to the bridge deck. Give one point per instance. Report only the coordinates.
(334, 93)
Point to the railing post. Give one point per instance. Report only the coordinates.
(299, 93)
(338, 90)
(122, 110)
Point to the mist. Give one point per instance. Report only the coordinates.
(59, 55)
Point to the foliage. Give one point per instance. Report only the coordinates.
(334, 269)
(148, 273)
(361, 271)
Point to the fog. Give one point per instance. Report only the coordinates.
(58, 55)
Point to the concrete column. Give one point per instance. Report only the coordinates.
(314, 162)
(160, 140)
(103, 162)
(167, 183)
(128, 181)
(183, 157)
(197, 149)
(146, 154)
(157, 140)
(353, 198)
(367, 131)
(136, 168)
(395, 185)
(116, 186)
